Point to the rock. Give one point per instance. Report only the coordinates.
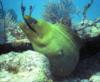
(95, 31)
(28, 66)
(95, 78)
(98, 25)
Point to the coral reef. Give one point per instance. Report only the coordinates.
(13, 32)
(10, 29)
(28, 66)
(88, 29)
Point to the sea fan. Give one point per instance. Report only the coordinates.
(59, 12)
(13, 32)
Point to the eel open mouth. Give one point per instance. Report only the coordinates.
(30, 22)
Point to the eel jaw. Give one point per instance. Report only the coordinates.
(30, 22)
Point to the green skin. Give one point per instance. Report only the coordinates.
(56, 42)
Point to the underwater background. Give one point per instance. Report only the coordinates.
(71, 12)
(94, 11)
(49, 40)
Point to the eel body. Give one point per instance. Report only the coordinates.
(55, 41)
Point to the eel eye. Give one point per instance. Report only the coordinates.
(33, 21)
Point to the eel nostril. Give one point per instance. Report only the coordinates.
(31, 10)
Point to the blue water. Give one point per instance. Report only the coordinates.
(94, 11)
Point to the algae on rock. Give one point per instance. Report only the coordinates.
(28, 66)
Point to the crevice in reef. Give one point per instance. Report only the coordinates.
(91, 47)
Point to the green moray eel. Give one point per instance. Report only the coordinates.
(55, 41)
